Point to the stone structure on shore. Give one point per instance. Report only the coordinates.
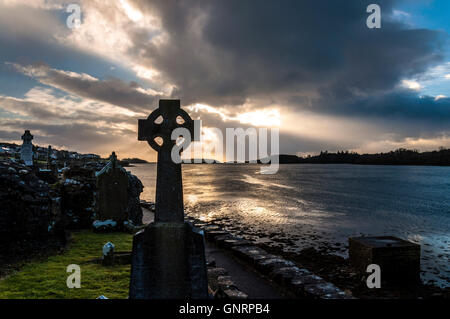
(398, 259)
(168, 259)
(26, 152)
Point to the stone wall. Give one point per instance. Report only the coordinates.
(77, 189)
(35, 213)
(30, 210)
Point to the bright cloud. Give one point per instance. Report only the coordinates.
(412, 85)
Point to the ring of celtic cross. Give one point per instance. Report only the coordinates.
(165, 128)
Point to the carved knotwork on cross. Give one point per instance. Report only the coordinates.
(169, 187)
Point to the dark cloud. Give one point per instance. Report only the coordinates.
(309, 55)
(10, 135)
(78, 135)
(227, 51)
(400, 105)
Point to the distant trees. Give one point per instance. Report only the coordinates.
(400, 156)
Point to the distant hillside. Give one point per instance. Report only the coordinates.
(397, 157)
(134, 160)
(203, 161)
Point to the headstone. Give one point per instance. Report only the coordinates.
(49, 157)
(26, 153)
(399, 260)
(168, 260)
(108, 254)
(112, 194)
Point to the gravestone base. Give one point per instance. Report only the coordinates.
(168, 262)
(399, 260)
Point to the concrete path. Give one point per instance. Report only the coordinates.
(245, 278)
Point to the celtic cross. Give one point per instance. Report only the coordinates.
(157, 131)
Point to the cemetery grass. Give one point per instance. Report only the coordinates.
(46, 279)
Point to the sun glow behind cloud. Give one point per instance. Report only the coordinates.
(269, 117)
(261, 118)
(131, 12)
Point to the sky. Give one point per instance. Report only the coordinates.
(313, 69)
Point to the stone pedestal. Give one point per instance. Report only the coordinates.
(168, 262)
(398, 259)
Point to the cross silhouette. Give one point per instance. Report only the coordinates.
(113, 159)
(169, 186)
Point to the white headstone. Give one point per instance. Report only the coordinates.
(26, 153)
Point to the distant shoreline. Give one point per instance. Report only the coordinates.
(356, 164)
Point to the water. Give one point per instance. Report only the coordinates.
(322, 205)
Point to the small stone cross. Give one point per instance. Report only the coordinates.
(27, 137)
(169, 186)
(113, 159)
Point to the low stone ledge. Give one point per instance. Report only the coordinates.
(221, 286)
(324, 290)
(209, 228)
(298, 280)
(211, 235)
(266, 266)
(252, 255)
(213, 277)
(285, 275)
(235, 294)
(225, 282)
(228, 243)
(220, 240)
(199, 224)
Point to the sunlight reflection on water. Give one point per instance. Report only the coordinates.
(322, 205)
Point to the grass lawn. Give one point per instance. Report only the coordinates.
(47, 279)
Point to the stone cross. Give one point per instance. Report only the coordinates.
(26, 152)
(168, 259)
(169, 187)
(113, 159)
